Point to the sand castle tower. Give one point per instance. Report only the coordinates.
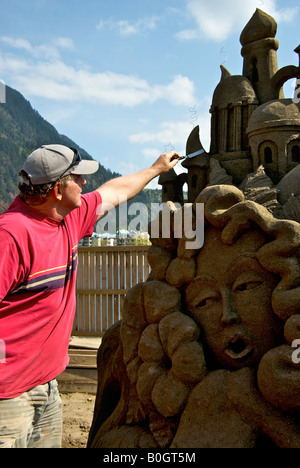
(252, 124)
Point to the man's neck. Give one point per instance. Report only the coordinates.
(53, 211)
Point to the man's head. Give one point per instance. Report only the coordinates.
(47, 166)
(50, 163)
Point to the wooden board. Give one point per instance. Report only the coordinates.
(81, 374)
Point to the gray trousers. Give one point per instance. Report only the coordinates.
(32, 420)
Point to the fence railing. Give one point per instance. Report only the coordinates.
(104, 276)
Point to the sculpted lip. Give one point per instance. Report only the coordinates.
(239, 348)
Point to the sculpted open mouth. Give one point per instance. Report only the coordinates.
(239, 348)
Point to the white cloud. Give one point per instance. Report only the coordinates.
(64, 43)
(44, 51)
(44, 74)
(17, 43)
(169, 133)
(173, 135)
(127, 28)
(180, 91)
(216, 19)
(187, 34)
(151, 153)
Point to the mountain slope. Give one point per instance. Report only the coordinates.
(22, 130)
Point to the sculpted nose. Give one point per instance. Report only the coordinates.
(229, 313)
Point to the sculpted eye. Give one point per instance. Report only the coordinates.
(248, 280)
(202, 293)
(206, 301)
(247, 285)
(201, 304)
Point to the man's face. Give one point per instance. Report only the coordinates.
(230, 299)
(71, 192)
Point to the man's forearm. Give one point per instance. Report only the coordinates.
(126, 187)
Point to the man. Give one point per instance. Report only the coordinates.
(39, 235)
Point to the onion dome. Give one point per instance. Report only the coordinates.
(260, 26)
(277, 113)
(233, 89)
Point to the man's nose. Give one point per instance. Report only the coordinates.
(82, 181)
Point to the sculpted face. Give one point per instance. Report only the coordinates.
(230, 299)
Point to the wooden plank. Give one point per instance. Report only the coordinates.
(104, 298)
(87, 286)
(116, 283)
(98, 334)
(78, 325)
(133, 268)
(81, 313)
(140, 261)
(116, 271)
(122, 270)
(97, 299)
(98, 292)
(83, 361)
(146, 267)
(115, 248)
(93, 324)
(109, 286)
(82, 351)
(79, 283)
(78, 380)
(128, 269)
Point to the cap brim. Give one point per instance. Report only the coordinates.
(85, 167)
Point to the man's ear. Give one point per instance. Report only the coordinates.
(57, 191)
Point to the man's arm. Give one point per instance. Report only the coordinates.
(121, 189)
(11, 264)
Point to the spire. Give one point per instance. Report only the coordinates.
(260, 26)
(193, 145)
(260, 54)
(224, 73)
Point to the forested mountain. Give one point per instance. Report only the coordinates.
(22, 130)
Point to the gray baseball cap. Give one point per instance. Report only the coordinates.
(50, 163)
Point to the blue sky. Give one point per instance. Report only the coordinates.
(129, 79)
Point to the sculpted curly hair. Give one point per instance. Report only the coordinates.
(225, 208)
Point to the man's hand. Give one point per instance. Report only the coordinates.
(166, 162)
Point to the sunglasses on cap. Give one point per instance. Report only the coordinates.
(75, 161)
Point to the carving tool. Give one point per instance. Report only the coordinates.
(192, 155)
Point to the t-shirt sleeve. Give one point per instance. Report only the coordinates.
(86, 216)
(11, 264)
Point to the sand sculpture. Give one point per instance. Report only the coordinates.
(205, 354)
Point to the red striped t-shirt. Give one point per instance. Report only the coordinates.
(38, 264)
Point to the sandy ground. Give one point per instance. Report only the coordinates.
(78, 410)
